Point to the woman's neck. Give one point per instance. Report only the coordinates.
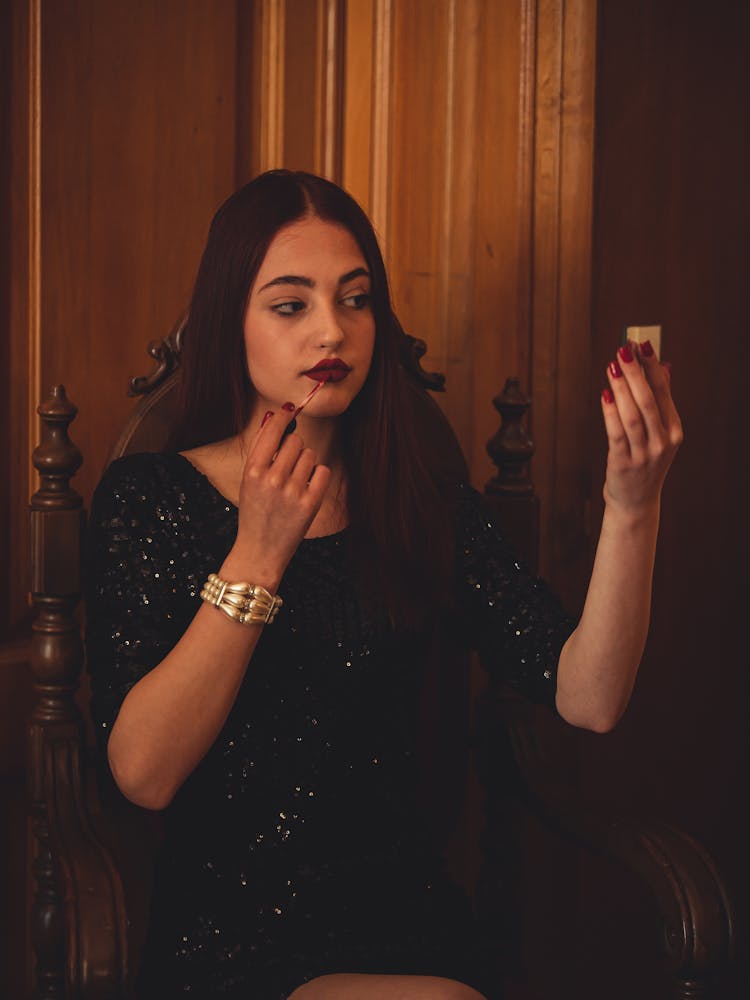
(322, 436)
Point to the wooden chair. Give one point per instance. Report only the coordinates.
(88, 891)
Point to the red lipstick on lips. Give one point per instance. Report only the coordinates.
(329, 370)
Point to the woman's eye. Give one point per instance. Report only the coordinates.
(358, 301)
(288, 308)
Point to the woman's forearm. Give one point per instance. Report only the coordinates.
(172, 716)
(600, 660)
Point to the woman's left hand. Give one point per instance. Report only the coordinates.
(596, 676)
(643, 428)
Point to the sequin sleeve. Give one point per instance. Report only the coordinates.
(508, 615)
(139, 593)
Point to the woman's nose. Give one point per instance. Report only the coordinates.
(329, 331)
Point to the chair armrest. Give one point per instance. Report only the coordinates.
(696, 910)
(695, 907)
(94, 910)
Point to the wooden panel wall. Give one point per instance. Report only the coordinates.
(124, 133)
(121, 124)
(466, 129)
(672, 216)
(129, 135)
(463, 126)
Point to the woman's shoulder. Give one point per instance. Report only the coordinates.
(468, 506)
(137, 471)
(150, 484)
(480, 535)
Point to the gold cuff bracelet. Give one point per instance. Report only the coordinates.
(247, 603)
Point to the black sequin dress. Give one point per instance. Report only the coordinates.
(296, 848)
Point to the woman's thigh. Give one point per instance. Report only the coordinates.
(356, 986)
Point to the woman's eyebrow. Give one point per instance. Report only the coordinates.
(289, 279)
(358, 272)
(297, 279)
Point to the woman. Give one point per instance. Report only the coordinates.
(281, 746)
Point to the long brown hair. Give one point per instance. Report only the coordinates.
(399, 533)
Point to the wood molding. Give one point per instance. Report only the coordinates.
(576, 420)
(35, 227)
(329, 89)
(545, 261)
(271, 108)
(524, 193)
(560, 329)
(22, 243)
(297, 93)
(502, 269)
(358, 97)
(454, 338)
(380, 145)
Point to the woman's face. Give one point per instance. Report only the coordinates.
(310, 306)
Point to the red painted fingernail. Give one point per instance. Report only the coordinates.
(625, 353)
(614, 370)
(289, 407)
(608, 396)
(266, 418)
(646, 349)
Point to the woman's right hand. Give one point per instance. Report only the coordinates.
(281, 491)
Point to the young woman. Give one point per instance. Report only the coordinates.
(279, 738)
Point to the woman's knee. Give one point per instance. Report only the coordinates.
(448, 989)
(354, 986)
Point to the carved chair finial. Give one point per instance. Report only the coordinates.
(167, 353)
(511, 449)
(56, 458)
(412, 351)
(56, 525)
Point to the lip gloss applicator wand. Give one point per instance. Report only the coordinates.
(293, 422)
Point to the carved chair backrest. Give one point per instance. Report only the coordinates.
(86, 929)
(85, 933)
